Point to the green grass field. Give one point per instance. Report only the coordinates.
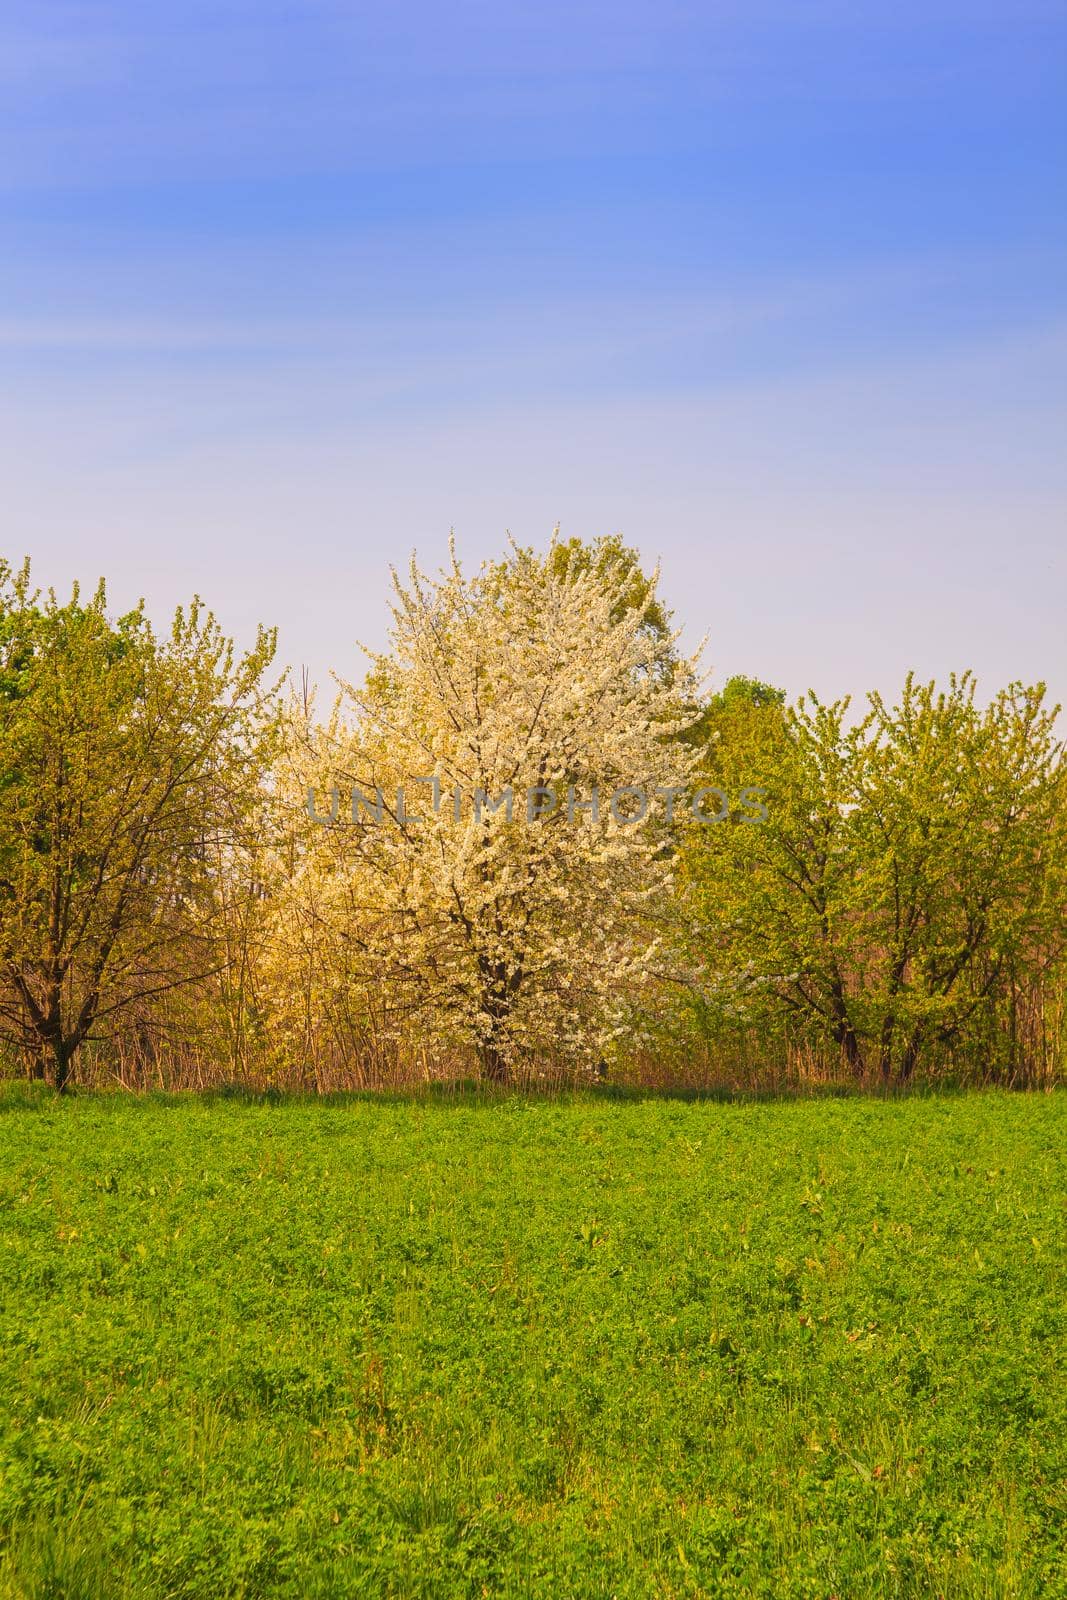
(583, 1347)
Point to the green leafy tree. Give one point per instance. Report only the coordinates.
(909, 869)
(127, 764)
(770, 904)
(956, 831)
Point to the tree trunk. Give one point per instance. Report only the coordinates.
(497, 994)
(911, 1054)
(844, 1033)
(63, 1057)
(849, 1042)
(494, 1065)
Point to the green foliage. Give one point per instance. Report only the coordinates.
(739, 692)
(904, 901)
(124, 761)
(585, 1348)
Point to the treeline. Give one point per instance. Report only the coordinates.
(205, 879)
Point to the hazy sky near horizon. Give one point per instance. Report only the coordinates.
(775, 291)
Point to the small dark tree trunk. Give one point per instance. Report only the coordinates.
(63, 1057)
(844, 1032)
(497, 994)
(848, 1043)
(853, 1054)
(911, 1055)
(494, 1064)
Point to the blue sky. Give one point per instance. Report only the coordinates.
(776, 291)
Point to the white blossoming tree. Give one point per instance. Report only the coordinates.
(473, 876)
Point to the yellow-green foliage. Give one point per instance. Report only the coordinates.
(127, 764)
(905, 899)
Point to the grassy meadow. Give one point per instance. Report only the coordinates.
(589, 1346)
